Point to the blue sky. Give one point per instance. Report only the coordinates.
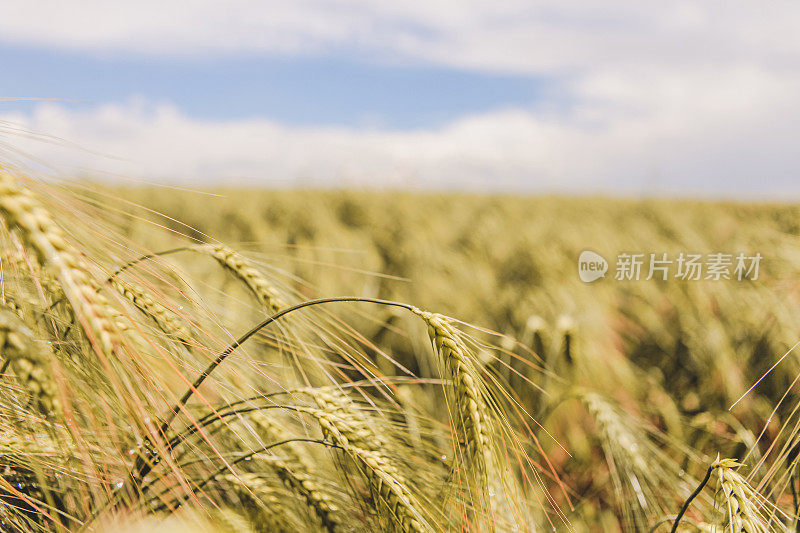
(320, 90)
(688, 98)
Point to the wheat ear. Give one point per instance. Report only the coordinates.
(29, 362)
(162, 317)
(613, 431)
(740, 501)
(473, 412)
(258, 284)
(37, 229)
(29, 477)
(293, 470)
(739, 498)
(394, 501)
(31, 267)
(262, 504)
(566, 328)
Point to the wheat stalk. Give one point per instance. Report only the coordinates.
(614, 432)
(360, 428)
(741, 502)
(644, 478)
(32, 269)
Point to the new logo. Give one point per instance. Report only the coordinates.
(591, 266)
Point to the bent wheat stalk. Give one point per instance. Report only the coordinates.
(258, 327)
(381, 475)
(232, 261)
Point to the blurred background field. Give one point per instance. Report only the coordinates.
(675, 354)
(536, 400)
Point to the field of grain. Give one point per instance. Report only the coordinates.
(245, 360)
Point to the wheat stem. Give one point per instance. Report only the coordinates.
(689, 500)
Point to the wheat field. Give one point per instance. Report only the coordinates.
(245, 360)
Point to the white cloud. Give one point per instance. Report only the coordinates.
(514, 35)
(649, 131)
